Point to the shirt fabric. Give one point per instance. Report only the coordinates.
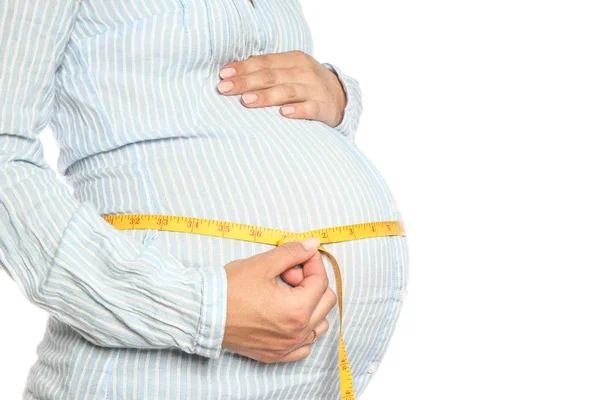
(129, 88)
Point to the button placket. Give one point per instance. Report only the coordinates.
(260, 41)
(250, 15)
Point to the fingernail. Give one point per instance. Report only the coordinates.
(227, 72)
(225, 87)
(311, 243)
(287, 109)
(249, 98)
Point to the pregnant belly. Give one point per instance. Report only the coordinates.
(298, 176)
(295, 175)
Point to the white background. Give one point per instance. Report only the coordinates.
(484, 119)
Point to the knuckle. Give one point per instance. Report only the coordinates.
(269, 77)
(267, 60)
(310, 107)
(270, 359)
(277, 355)
(240, 83)
(315, 107)
(238, 66)
(299, 320)
(291, 342)
(263, 98)
(308, 74)
(296, 338)
(280, 351)
(291, 248)
(310, 59)
(290, 91)
(326, 282)
(318, 107)
(303, 56)
(283, 350)
(333, 296)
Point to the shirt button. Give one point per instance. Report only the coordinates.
(403, 294)
(372, 367)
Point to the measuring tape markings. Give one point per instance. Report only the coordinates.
(258, 234)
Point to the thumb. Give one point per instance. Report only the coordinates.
(290, 254)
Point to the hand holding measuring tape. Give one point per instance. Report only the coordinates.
(268, 320)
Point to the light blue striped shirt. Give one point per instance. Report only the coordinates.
(129, 88)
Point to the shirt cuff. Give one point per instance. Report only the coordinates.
(211, 327)
(354, 107)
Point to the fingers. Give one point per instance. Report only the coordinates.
(327, 302)
(318, 320)
(263, 79)
(296, 354)
(312, 109)
(286, 59)
(300, 352)
(304, 350)
(310, 289)
(321, 328)
(283, 257)
(293, 276)
(277, 95)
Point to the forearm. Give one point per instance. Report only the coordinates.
(64, 257)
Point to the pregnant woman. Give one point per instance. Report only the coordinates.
(149, 120)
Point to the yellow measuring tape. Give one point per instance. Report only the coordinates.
(277, 237)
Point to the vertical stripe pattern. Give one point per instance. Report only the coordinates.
(129, 88)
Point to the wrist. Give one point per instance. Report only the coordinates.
(340, 98)
(353, 106)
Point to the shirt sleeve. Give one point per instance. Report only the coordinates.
(354, 106)
(65, 258)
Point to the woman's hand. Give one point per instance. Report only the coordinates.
(269, 321)
(295, 80)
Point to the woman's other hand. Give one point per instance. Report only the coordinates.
(269, 321)
(294, 79)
